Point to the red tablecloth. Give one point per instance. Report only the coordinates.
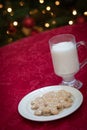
(25, 66)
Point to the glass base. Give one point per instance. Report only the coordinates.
(75, 83)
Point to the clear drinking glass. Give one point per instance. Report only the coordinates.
(65, 60)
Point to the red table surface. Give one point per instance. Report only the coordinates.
(25, 66)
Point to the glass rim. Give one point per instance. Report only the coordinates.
(61, 35)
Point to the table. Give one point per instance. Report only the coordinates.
(26, 65)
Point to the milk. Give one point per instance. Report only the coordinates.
(65, 58)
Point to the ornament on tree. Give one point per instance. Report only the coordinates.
(80, 19)
(29, 27)
(29, 31)
(26, 31)
(12, 29)
(28, 22)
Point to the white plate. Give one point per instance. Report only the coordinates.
(24, 107)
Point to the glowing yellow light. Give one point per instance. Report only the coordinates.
(47, 25)
(74, 12)
(85, 13)
(15, 23)
(48, 8)
(1, 6)
(51, 13)
(57, 3)
(41, 1)
(30, 12)
(44, 11)
(7, 32)
(34, 11)
(21, 3)
(53, 22)
(9, 9)
(70, 22)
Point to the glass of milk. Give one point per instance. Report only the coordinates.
(65, 60)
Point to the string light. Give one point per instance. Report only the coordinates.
(53, 22)
(7, 32)
(1, 6)
(47, 25)
(74, 12)
(70, 22)
(44, 11)
(15, 23)
(41, 1)
(21, 3)
(48, 8)
(34, 11)
(57, 3)
(51, 13)
(9, 9)
(85, 13)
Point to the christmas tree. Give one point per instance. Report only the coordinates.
(22, 18)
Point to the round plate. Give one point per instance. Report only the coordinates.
(24, 107)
